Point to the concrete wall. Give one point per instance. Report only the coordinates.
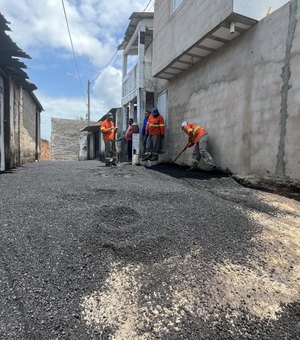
(14, 143)
(23, 134)
(247, 96)
(175, 32)
(29, 129)
(291, 113)
(2, 149)
(66, 138)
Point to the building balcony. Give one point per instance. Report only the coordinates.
(132, 83)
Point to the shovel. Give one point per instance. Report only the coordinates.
(180, 153)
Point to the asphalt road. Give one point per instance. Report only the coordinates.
(133, 253)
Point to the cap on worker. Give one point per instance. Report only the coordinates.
(109, 114)
(155, 111)
(184, 124)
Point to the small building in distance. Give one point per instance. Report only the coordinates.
(68, 141)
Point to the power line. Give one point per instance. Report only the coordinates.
(103, 69)
(147, 5)
(74, 55)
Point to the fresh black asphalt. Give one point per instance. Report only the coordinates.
(65, 225)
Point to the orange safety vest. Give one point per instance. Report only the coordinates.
(155, 126)
(195, 132)
(106, 131)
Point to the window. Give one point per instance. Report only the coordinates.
(176, 4)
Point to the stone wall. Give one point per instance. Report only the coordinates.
(66, 138)
(29, 129)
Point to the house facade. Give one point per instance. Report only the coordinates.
(235, 76)
(138, 85)
(19, 108)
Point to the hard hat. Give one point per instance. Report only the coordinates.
(183, 124)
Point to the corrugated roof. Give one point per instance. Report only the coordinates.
(9, 62)
(135, 18)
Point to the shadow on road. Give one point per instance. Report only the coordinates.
(178, 172)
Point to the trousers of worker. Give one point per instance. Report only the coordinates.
(153, 145)
(110, 151)
(200, 151)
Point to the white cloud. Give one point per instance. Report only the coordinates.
(105, 94)
(67, 108)
(257, 9)
(94, 25)
(108, 87)
(97, 27)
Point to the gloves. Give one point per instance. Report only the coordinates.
(190, 144)
(162, 136)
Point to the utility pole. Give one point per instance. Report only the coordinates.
(89, 104)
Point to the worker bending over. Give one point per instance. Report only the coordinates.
(198, 137)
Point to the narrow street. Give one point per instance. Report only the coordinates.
(133, 253)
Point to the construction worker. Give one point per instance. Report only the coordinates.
(128, 137)
(155, 130)
(198, 136)
(144, 135)
(108, 131)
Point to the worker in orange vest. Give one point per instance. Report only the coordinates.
(198, 136)
(108, 131)
(155, 130)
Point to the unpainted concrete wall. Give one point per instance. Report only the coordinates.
(175, 32)
(247, 96)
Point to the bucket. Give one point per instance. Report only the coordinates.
(135, 159)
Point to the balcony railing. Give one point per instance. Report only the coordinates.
(131, 82)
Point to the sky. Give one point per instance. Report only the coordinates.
(97, 27)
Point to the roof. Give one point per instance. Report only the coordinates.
(92, 128)
(113, 110)
(135, 18)
(38, 104)
(9, 62)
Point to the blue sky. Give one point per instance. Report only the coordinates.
(97, 28)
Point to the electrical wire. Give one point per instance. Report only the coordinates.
(74, 55)
(104, 68)
(147, 5)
